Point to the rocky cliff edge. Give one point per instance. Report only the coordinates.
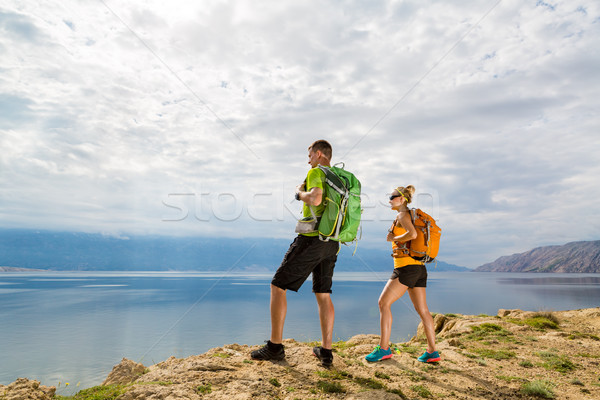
(513, 355)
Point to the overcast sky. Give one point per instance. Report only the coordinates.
(193, 117)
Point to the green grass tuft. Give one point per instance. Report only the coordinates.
(495, 354)
(369, 383)
(526, 364)
(335, 374)
(398, 392)
(415, 376)
(381, 375)
(542, 321)
(409, 349)
(109, 392)
(330, 387)
(422, 391)
(490, 331)
(204, 389)
(538, 388)
(556, 362)
(579, 335)
(587, 355)
(487, 327)
(561, 364)
(274, 382)
(548, 315)
(342, 345)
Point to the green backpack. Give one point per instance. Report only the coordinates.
(341, 217)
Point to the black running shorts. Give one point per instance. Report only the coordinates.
(306, 255)
(411, 275)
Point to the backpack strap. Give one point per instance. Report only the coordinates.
(402, 249)
(312, 211)
(391, 230)
(333, 180)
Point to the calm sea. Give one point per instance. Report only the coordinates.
(74, 327)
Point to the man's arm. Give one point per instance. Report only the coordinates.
(312, 197)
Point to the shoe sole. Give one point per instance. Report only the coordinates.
(277, 358)
(323, 363)
(268, 359)
(382, 358)
(432, 360)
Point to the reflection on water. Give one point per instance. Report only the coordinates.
(74, 327)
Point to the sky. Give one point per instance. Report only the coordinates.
(186, 118)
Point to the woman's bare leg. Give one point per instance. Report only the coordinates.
(419, 299)
(392, 291)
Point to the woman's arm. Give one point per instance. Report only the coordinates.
(411, 233)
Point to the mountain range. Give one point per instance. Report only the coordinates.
(578, 257)
(62, 251)
(67, 251)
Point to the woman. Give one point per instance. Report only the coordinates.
(409, 275)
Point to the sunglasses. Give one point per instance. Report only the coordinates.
(392, 197)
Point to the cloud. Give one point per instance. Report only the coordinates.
(16, 110)
(123, 118)
(18, 26)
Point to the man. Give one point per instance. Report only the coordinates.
(307, 254)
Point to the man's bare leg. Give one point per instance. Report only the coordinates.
(278, 313)
(327, 317)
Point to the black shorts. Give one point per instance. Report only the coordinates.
(411, 275)
(306, 255)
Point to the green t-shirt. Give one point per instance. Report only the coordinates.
(314, 178)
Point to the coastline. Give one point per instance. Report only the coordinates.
(515, 354)
(17, 269)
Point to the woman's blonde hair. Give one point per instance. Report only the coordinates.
(406, 192)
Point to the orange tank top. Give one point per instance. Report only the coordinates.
(400, 262)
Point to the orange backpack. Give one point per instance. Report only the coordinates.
(427, 243)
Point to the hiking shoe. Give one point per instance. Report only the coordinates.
(326, 356)
(430, 357)
(379, 354)
(270, 351)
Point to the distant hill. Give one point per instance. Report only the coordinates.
(62, 251)
(579, 257)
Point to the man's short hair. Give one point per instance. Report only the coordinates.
(323, 146)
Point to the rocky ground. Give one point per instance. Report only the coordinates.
(514, 355)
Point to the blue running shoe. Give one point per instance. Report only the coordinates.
(379, 354)
(430, 357)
